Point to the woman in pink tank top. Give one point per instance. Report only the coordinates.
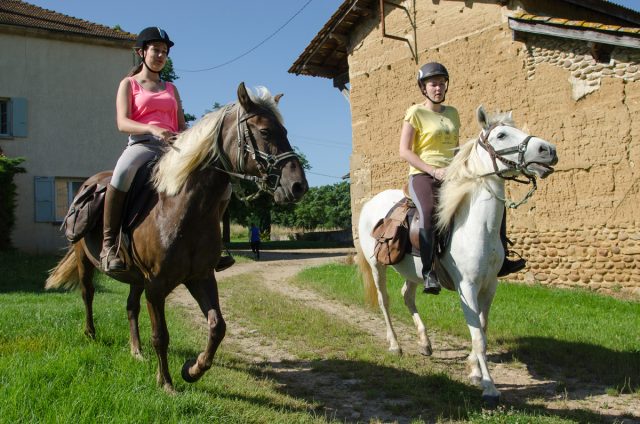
(150, 112)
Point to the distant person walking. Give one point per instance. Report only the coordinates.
(254, 238)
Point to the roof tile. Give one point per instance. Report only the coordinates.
(22, 14)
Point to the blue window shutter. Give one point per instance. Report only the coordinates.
(18, 117)
(44, 194)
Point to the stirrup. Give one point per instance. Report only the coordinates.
(225, 262)
(431, 284)
(111, 261)
(510, 267)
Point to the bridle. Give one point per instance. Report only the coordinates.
(520, 166)
(269, 165)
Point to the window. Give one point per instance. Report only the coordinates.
(13, 117)
(53, 196)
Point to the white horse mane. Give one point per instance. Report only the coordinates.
(462, 175)
(197, 146)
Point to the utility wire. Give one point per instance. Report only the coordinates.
(251, 49)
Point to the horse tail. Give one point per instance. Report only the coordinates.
(65, 274)
(370, 290)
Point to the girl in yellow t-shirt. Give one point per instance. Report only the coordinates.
(429, 137)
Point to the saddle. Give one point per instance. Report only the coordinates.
(397, 235)
(86, 210)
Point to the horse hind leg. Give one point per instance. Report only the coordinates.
(409, 295)
(159, 334)
(380, 279)
(133, 312)
(87, 289)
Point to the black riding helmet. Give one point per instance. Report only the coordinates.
(429, 70)
(151, 34)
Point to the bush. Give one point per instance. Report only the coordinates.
(8, 168)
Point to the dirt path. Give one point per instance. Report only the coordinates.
(516, 383)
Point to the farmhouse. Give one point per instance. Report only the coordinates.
(58, 80)
(569, 70)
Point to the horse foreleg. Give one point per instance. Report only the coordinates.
(133, 312)
(85, 273)
(409, 295)
(379, 273)
(159, 335)
(205, 292)
(478, 357)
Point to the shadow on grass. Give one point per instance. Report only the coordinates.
(267, 256)
(22, 272)
(576, 365)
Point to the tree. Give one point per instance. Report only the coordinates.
(8, 168)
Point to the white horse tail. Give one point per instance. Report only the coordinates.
(65, 274)
(370, 290)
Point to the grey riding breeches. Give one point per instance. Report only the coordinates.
(140, 150)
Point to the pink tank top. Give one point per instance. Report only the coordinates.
(159, 109)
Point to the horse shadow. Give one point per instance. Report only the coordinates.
(355, 391)
(574, 366)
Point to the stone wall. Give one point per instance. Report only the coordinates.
(556, 90)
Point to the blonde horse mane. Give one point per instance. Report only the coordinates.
(197, 146)
(462, 176)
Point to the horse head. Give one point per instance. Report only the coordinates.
(512, 151)
(262, 149)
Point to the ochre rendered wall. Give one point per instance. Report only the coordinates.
(581, 228)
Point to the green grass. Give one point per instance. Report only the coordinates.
(578, 334)
(50, 372)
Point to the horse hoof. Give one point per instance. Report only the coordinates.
(168, 389)
(397, 351)
(137, 355)
(425, 350)
(475, 380)
(490, 402)
(185, 371)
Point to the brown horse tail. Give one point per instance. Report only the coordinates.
(65, 274)
(370, 290)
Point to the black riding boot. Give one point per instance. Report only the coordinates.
(113, 205)
(427, 250)
(508, 266)
(225, 261)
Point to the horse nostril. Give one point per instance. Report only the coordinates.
(298, 189)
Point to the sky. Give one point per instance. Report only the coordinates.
(250, 41)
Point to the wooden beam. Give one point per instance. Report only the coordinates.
(595, 36)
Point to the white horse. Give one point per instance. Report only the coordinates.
(472, 203)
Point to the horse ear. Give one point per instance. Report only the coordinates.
(482, 117)
(244, 99)
(277, 97)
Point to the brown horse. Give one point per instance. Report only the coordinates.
(178, 240)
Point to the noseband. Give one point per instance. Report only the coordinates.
(519, 166)
(269, 165)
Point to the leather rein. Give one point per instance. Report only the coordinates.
(269, 165)
(519, 166)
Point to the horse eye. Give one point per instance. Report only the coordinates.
(265, 133)
(501, 135)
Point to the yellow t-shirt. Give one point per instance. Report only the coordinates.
(436, 135)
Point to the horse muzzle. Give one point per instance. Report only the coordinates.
(542, 165)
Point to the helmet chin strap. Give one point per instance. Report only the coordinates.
(433, 101)
(424, 91)
(144, 61)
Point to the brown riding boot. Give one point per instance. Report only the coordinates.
(113, 205)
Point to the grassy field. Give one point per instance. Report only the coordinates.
(580, 334)
(50, 372)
